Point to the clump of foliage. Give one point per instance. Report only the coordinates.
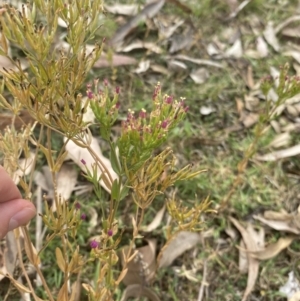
(50, 90)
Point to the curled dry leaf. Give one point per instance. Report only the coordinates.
(273, 249)
(251, 245)
(175, 247)
(141, 269)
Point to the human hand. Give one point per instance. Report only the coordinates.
(14, 211)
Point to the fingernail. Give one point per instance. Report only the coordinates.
(20, 218)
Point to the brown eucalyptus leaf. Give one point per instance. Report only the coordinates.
(285, 153)
(114, 61)
(253, 266)
(180, 243)
(156, 220)
(138, 291)
(149, 11)
(122, 9)
(23, 119)
(141, 269)
(198, 61)
(182, 41)
(280, 221)
(138, 44)
(66, 181)
(280, 140)
(270, 36)
(200, 76)
(273, 249)
(243, 259)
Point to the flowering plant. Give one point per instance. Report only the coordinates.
(50, 92)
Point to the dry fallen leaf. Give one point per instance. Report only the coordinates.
(143, 66)
(270, 36)
(122, 9)
(138, 291)
(291, 287)
(180, 243)
(236, 50)
(200, 76)
(280, 140)
(198, 61)
(77, 153)
(156, 220)
(253, 264)
(114, 61)
(141, 45)
(182, 41)
(141, 269)
(280, 221)
(285, 153)
(149, 11)
(273, 249)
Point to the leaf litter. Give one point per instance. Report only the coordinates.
(218, 53)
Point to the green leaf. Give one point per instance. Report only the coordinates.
(124, 192)
(115, 163)
(115, 190)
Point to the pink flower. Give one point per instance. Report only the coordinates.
(118, 90)
(77, 206)
(169, 99)
(83, 161)
(105, 82)
(164, 124)
(110, 232)
(94, 244)
(83, 216)
(143, 114)
(90, 94)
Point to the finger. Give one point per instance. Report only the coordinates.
(15, 213)
(8, 189)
